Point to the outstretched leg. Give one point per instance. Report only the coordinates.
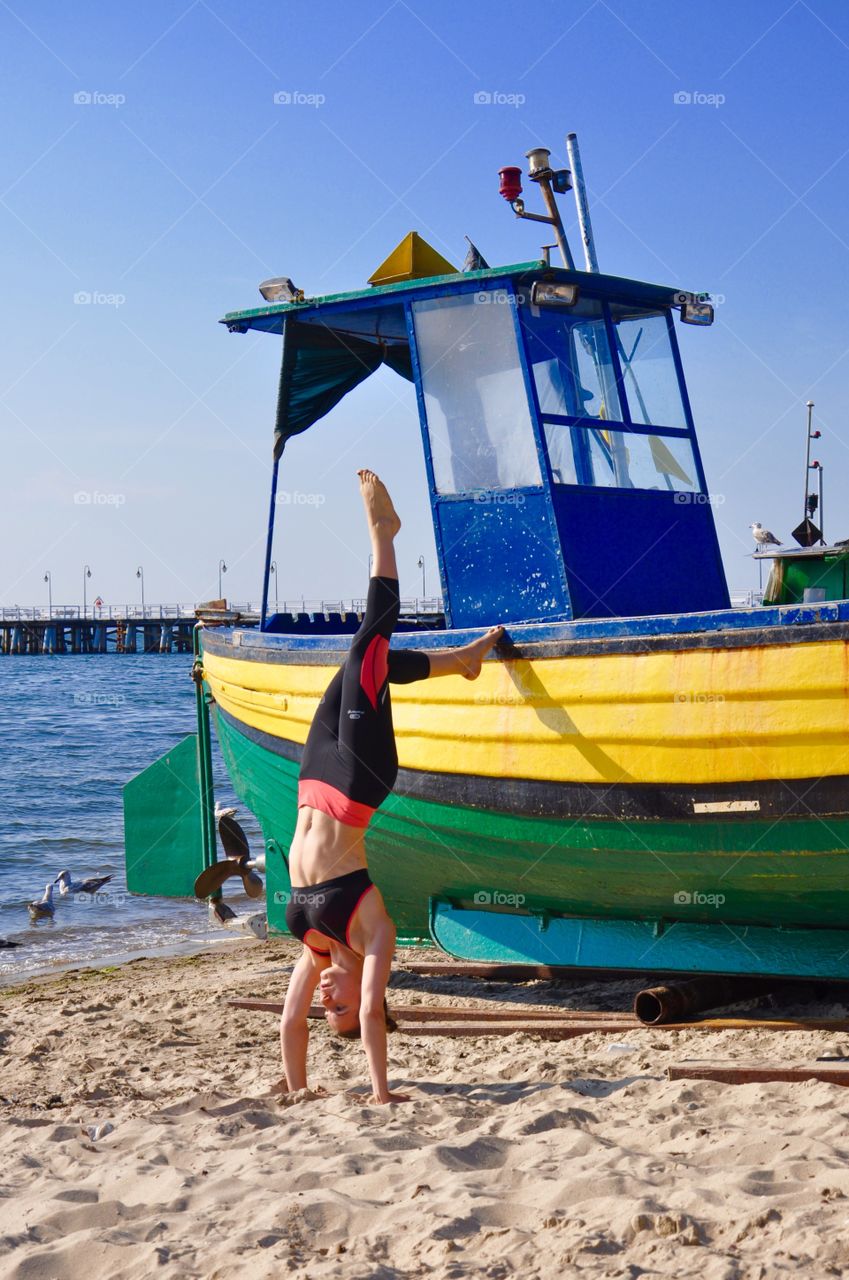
(366, 739)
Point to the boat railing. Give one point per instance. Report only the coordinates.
(104, 613)
(746, 599)
(184, 612)
(356, 604)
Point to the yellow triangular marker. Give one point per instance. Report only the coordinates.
(412, 259)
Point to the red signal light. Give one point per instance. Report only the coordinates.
(510, 183)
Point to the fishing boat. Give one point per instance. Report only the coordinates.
(643, 777)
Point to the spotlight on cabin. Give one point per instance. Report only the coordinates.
(696, 312)
(549, 293)
(280, 289)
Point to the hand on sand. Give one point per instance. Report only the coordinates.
(472, 655)
(380, 513)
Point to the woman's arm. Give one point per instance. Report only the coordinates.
(294, 1029)
(376, 967)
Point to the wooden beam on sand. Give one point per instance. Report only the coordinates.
(559, 1024)
(433, 1013)
(564, 1029)
(833, 1072)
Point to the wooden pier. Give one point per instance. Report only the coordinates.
(157, 629)
(167, 628)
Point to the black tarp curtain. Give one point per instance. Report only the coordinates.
(319, 367)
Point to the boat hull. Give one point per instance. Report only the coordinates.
(677, 778)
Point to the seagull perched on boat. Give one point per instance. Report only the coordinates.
(91, 885)
(763, 538)
(44, 909)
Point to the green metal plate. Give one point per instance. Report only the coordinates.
(163, 824)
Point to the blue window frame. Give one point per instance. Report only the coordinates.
(615, 376)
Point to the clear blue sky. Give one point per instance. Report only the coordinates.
(181, 184)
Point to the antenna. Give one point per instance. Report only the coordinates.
(581, 201)
(807, 533)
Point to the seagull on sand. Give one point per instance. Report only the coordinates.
(763, 538)
(91, 885)
(44, 909)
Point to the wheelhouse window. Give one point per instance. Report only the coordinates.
(620, 459)
(604, 378)
(649, 375)
(569, 355)
(478, 418)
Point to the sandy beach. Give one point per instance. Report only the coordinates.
(517, 1157)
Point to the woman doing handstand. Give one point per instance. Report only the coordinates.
(349, 767)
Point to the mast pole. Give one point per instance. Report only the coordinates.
(581, 201)
(810, 407)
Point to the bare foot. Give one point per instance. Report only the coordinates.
(471, 656)
(380, 513)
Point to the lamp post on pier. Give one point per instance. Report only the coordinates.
(140, 574)
(273, 569)
(48, 578)
(222, 568)
(86, 574)
(421, 563)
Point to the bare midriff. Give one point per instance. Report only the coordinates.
(323, 848)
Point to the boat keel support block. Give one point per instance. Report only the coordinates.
(501, 937)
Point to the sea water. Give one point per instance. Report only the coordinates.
(73, 730)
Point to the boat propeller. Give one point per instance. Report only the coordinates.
(238, 861)
(212, 879)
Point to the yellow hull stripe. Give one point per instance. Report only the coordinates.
(683, 716)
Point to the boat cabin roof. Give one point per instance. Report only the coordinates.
(369, 312)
